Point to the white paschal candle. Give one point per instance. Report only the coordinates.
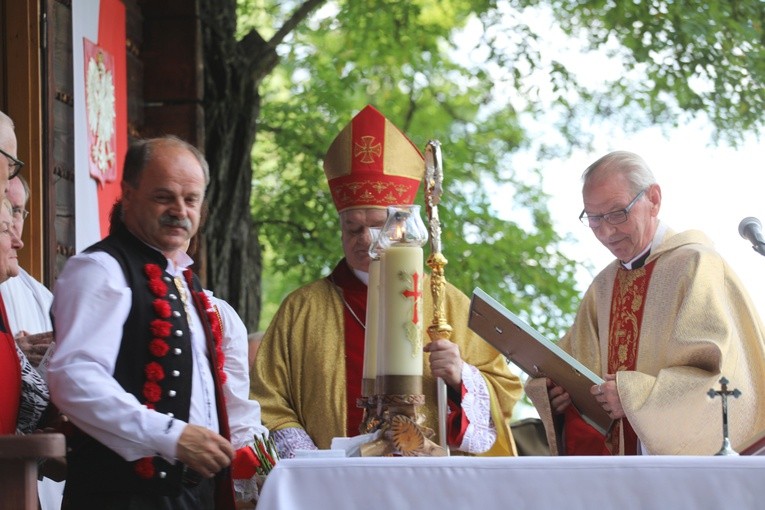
(371, 331)
(399, 347)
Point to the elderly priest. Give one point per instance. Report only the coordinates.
(662, 324)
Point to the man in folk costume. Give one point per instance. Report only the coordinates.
(662, 325)
(308, 369)
(139, 366)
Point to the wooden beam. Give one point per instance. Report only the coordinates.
(22, 92)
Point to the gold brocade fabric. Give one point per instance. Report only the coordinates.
(299, 373)
(626, 314)
(699, 324)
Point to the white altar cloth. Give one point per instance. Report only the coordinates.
(587, 483)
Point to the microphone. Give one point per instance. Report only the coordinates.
(750, 228)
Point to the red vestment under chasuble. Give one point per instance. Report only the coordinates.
(627, 306)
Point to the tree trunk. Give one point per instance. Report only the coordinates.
(232, 105)
(233, 72)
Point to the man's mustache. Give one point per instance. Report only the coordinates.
(169, 221)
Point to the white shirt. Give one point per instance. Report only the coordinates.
(243, 413)
(90, 305)
(27, 303)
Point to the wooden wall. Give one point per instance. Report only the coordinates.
(173, 83)
(59, 127)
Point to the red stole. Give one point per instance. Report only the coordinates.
(354, 295)
(10, 367)
(627, 307)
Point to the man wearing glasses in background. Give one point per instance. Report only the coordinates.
(661, 324)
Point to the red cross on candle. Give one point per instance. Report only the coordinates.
(416, 294)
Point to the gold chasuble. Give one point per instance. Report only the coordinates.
(308, 369)
(669, 331)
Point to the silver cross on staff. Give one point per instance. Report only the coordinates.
(724, 393)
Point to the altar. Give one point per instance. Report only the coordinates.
(440, 483)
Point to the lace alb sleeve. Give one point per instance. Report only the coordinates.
(476, 404)
(291, 439)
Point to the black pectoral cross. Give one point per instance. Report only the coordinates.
(724, 393)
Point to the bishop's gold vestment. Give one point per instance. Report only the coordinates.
(699, 325)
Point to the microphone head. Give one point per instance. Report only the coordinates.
(746, 224)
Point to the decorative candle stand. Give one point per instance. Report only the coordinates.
(403, 433)
(371, 420)
(398, 383)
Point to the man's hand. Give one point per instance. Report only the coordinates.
(608, 397)
(203, 450)
(559, 398)
(445, 362)
(34, 347)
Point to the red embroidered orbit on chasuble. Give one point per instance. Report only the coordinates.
(627, 307)
(372, 164)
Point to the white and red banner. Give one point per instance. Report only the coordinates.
(100, 113)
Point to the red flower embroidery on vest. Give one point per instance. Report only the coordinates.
(152, 271)
(154, 372)
(145, 468)
(158, 347)
(215, 326)
(162, 308)
(160, 328)
(152, 391)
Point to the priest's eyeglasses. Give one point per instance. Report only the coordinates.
(20, 213)
(612, 218)
(14, 165)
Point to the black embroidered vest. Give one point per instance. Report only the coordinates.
(91, 466)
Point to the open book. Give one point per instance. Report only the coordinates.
(536, 355)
